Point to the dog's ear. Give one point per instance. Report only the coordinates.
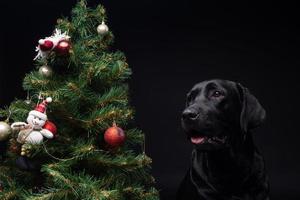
(252, 113)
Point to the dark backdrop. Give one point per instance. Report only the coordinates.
(171, 45)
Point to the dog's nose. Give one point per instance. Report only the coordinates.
(189, 114)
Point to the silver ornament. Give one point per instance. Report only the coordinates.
(46, 71)
(28, 101)
(5, 131)
(102, 29)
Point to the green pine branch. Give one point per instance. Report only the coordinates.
(50, 194)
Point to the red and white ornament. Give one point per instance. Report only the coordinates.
(63, 47)
(114, 136)
(33, 132)
(46, 44)
(50, 128)
(49, 44)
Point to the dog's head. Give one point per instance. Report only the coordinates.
(218, 111)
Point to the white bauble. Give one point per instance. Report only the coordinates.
(35, 137)
(49, 99)
(102, 29)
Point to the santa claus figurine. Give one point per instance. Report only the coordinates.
(34, 131)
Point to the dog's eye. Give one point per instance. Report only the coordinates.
(216, 94)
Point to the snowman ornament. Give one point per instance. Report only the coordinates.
(33, 132)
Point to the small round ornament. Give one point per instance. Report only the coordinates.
(23, 153)
(27, 101)
(26, 150)
(45, 45)
(114, 136)
(45, 71)
(51, 127)
(102, 29)
(63, 47)
(5, 131)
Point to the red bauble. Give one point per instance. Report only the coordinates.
(50, 127)
(63, 47)
(114, 136)
(46, 45)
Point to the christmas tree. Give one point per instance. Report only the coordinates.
(72, 138)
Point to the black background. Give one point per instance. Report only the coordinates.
(171, 45)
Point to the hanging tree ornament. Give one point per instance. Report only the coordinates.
(48, 44)
(44, 48)
(33, 132)
(114, 136)
(63, 47)
(102, 29)
(28, 99)
(5, 131)
(26, 150)
(46, 71)
(51, 128)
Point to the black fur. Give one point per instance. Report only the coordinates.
(226, 165)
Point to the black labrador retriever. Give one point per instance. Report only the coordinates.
(225, 163)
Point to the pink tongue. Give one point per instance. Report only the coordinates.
(197, 140)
